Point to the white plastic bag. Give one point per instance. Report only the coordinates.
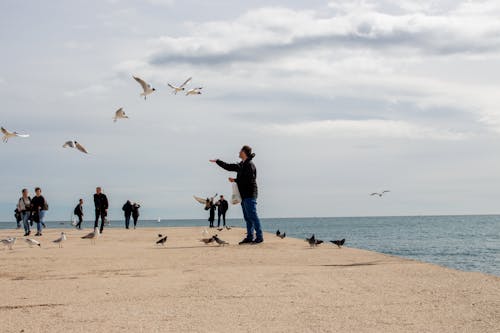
(235, 197)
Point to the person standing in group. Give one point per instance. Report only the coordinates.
(135, 212)
(101, 208)
(18, 216)
(222, 207)
(127, 210)
(38, 205)
(246, 180)
(210, 206)
(78, 211)
(24, 206)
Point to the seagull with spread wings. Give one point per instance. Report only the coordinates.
(194, 91)
(8, 134)
(175, 89)
(76, 145)
(380, 194)
(119, 114)
(145, 87)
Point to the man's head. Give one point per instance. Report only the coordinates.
(246, 152)
(25, 192)
(80, 201)
(98, 190)
(38, 191)
(222, 197)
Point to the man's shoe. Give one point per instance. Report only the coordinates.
(245, 241)
(258, 241)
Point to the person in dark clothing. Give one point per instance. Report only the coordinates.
(222, 207)
(18, 216)
(78, 211)
(135, 212)
(127, 210)
(246, 179)
(37, 205)
(101, 208)
(210, 206)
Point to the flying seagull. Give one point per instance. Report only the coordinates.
(74, 144)
(119, 114)
(32, 242)
(179, 88)
(9, 242)
(194, 91)
(380, 194)
(339, 243)
(146, 87)
(206, 201)
(61, 239)
(7, 135)
(162, 240)
(92, 236)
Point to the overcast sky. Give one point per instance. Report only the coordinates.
(337, 98)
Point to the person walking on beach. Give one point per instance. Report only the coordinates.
(38, 206)
(246, 179)
(127, 211)
(78, 211)
(24, 206)
(135, 212)
(101, 208)
(222, 207)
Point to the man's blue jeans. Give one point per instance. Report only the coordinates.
(26, 223)
(39, 224)
(249, 206)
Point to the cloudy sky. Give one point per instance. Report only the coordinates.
(337, 98)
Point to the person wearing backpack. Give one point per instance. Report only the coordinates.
(78, 211)
(24, 207)
(39, 207)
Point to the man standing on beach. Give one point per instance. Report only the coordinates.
(24, 206)
(222, 207)
(78, 211)
(39, 207)
(127, 211)
(246, 180)
(101, 208)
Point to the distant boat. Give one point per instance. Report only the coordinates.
(159, 220)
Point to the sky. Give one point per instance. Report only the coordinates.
(337, 98)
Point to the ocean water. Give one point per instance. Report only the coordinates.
(468, 243)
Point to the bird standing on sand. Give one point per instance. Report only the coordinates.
(76, 145)
(380, 194)
(92, 236)
(32, 242)
(8, 134)
(280, 235)
(61, 239)
(119, 114)
(207, 240)
(162, 240)
(194, 91)
(147, 90)
(219, 241)
(180, 88)
(9, 242)
(313, 241)
(339, 243)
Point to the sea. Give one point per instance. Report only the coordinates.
(468, 242)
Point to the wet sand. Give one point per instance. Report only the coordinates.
(126, 283)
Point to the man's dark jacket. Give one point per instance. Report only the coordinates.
(101, 202)
(246, 177)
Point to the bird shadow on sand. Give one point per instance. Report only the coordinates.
(356, 264)
(183, 247)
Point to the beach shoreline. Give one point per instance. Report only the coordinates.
(127, 282)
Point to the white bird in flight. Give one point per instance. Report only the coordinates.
(194, 91)
(92, 236)
(179, 88)
(74, 144)
(9, 242)
(146, 87)
(380, 194)
(32, 242)
(61, 239)
(7, 135)
(119, 114)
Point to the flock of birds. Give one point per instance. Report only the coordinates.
(10, 241)
(119, 114)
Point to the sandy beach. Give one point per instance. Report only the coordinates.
(126, 283)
